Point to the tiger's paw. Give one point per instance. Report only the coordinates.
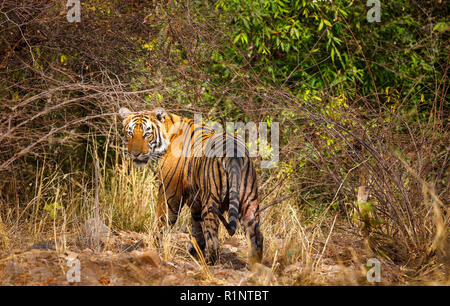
(212, 258)
(193, 251)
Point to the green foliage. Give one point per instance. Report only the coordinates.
(320, 44)
(280, 34)
(52, 209)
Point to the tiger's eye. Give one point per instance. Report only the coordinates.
(148, 135)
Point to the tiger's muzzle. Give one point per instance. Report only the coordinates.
(138, 159)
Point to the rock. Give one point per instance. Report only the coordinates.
(169, 280)
(295, 267)
(70, 255)
(11, 268)
(114, 280)
(40, 273)
(148, 257)
(88, 277)
(43, 245)
(39, 254)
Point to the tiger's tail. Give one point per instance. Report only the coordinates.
(234, 170)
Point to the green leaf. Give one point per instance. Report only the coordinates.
(236, 39)
(320, 25)
(441, 27)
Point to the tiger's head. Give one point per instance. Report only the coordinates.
(145, 135)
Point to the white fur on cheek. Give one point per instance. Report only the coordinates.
(158, 147)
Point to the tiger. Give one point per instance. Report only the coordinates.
(196, 171)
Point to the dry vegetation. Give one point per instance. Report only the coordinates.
(354, 181)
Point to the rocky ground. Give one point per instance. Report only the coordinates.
(128, 258)
(134, 263)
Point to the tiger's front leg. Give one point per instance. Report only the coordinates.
(167, 209)
(162, 213)
(197, 234)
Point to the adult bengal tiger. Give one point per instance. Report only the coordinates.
(210, 172)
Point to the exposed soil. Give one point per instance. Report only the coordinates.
(129, 261)
(135, 264)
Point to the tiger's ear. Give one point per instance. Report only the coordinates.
(124, 112)
(160, 114)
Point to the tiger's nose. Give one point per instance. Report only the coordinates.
(135, 154)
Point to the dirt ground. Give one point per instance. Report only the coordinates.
(131, 264)
(128, 260)
(134, 263)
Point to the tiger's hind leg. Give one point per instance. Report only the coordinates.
(210, 226)
(250, 222)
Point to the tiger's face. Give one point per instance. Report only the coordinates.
(145, 135)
